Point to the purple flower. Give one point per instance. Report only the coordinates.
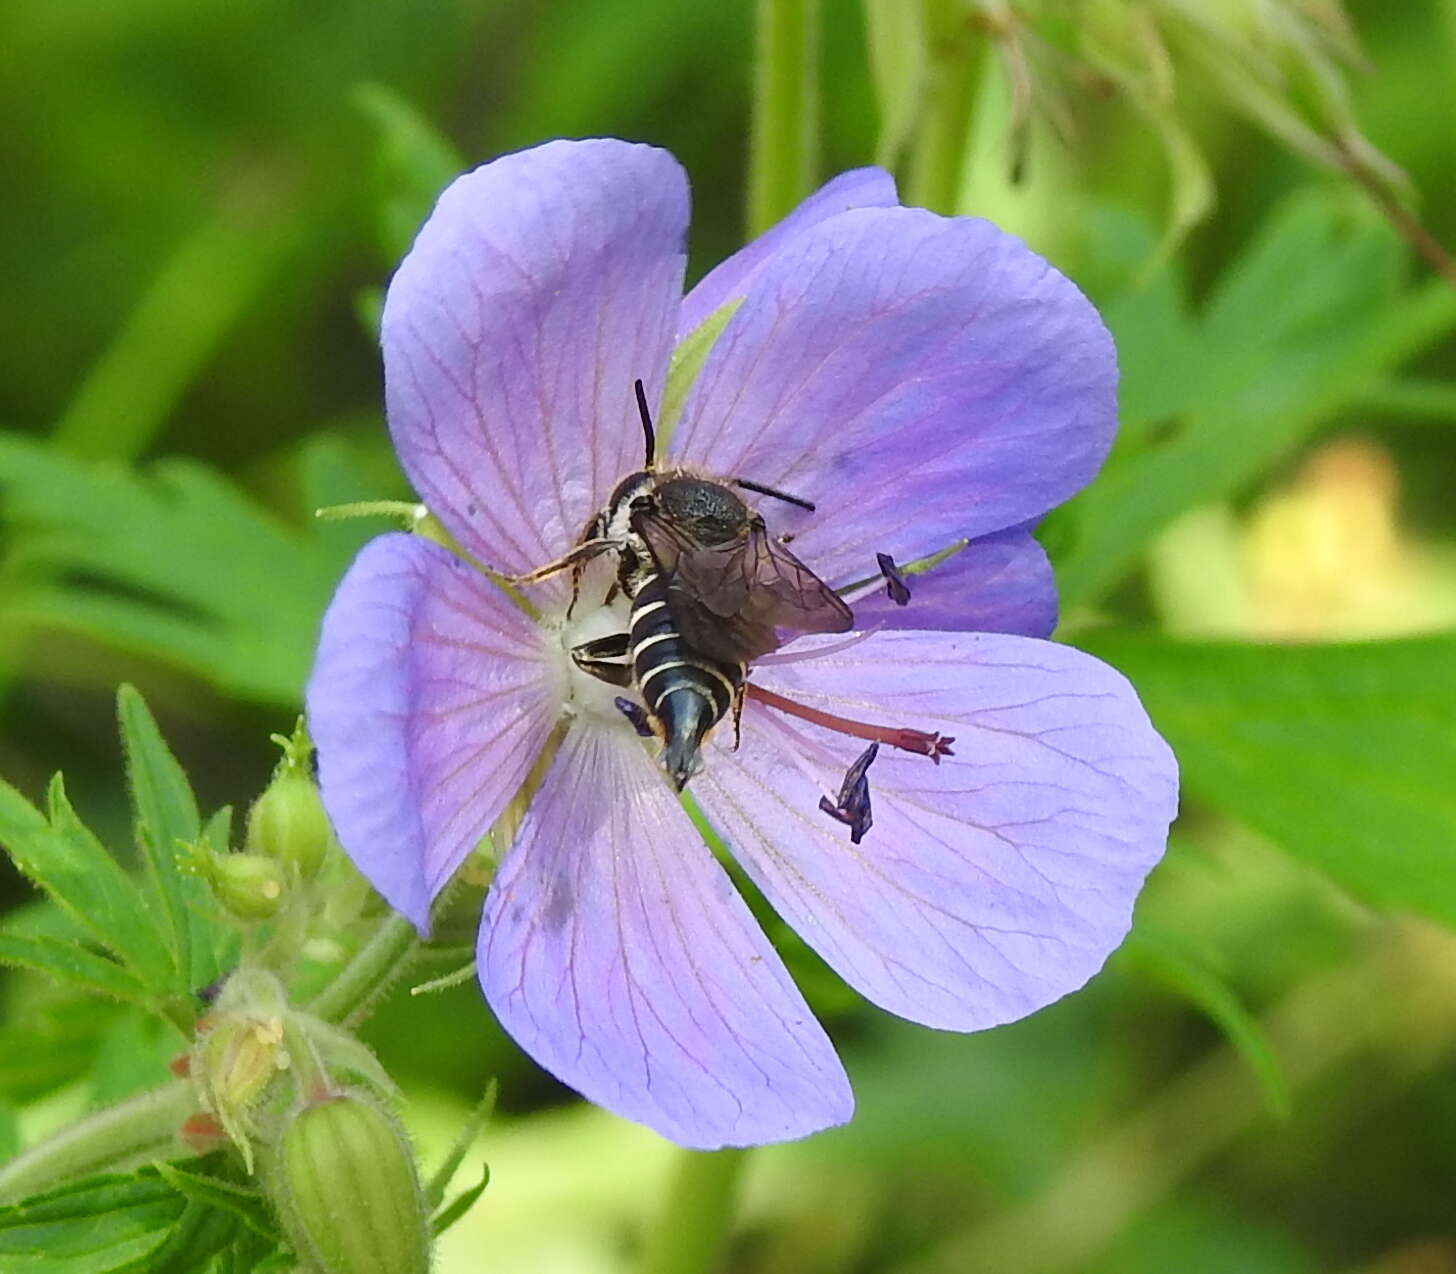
(922, 381)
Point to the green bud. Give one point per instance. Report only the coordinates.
(241, 1050)
(288, 823)
(248, 885)
(343, 1181)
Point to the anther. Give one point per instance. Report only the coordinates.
(895, 587)
(634, 713)
(921, 742)
(853, 806)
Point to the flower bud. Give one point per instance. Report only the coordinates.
(248, 885)
(343, 1181)
(288, 823)
(240, 1052)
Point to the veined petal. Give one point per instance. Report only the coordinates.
(1001, 583)
(430, 700)
(990, 884)
(542, 285)
(616, 952)
(858, 188)
(921, 378)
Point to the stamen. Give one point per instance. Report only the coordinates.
(636, 714)
(833, 648)
(853, 806)
(934, 746)
(895, 587)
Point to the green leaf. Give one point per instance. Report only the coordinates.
(440, 1179)
(105, 1225)
(413, 164)
(687, 362)
(1308, 320)
(1170, 960)
(9, 1132)
(130, 559)
(50, 1041)
(1341, 754)
(74, 964)
(201, 1234)
(460, 1204)
(226, 1196)
(64, 859)
(166, 818)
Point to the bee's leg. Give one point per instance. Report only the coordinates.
(583, 552)
(738, 716)
(595, 530)
(607, 659)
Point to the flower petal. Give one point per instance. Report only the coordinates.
(1001, 583)
(921, 378)
(542, 285)
(988, 885)
(429, 701)
(616, 952)
(858, 188)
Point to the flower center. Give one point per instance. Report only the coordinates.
(569, 627)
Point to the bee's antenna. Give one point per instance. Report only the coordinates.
(646, 424)
(777, 495)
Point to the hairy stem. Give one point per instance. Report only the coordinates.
(132, 1132)
(783, 144)
(376, 966)
(688, 1233)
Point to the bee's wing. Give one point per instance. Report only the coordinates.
(729, 600)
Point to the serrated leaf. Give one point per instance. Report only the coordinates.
(1300, 327)
(227, 1196)
(1343, 754)
(1164, 957)
(80, 967)
(166, 817)
(130, 559)
(105, 1225)
(200, 1235)
(65, 860)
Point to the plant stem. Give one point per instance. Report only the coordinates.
(783, 145)
(376, 966)
(939, 148)
(132, 1132)
(688, 1233)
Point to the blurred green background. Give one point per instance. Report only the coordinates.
(202, 202)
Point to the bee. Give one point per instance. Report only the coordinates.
(710, 588)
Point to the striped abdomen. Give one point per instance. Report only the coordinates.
(687, 693)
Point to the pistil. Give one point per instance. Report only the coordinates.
(921, 742)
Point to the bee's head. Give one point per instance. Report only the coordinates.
(708, 511)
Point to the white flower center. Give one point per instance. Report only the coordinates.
(590, 618)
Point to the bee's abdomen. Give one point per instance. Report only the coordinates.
(664, 664)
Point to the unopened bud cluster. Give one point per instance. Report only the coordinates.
(287, 842)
